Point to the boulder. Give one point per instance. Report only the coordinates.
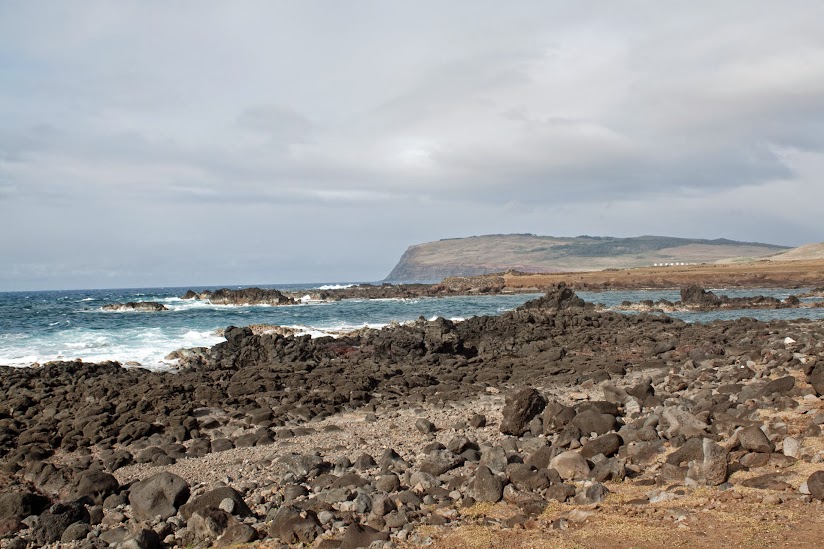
(425, 426)
(769, 481)
(19, 505)
(302, 465)
(570, 465)
(711, 470)
(440, 461)
(591, 421)
(754, 440)
(358, 535)
(159, 495)
(94, 485)
(699, 297)
(494, 458)
(213, 499)
(237, 534)
(486, 486)
(781, 385)
(477, 421)
(608, 445)
(141, 538)
(592, 493)
(643, 390)
(292, 526)
(680, 422)
(209, 523)
(519, 409)
(541, 457)
(556, 416)
(52, 523)
(558, 297)
(816, 378)
(815, 485)
(388, 483)
(76, 531)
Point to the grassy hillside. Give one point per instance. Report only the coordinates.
(526, 252)
(802, 253)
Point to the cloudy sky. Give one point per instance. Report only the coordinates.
(149, 143)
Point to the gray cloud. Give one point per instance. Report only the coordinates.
(317, 141)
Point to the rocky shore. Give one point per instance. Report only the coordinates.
(244, 296)
(585, 427)
(797, 274)
(259, 296)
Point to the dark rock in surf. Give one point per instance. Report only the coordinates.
(141, 306)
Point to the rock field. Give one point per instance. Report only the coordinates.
(554, 423)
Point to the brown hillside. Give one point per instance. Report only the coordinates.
(758, 274)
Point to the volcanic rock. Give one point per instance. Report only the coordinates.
(95, 485)
(570, 465)
(19, 505)
(359, 535)
(159, 495)
(52, 523)
(143, 306)
(293, 526)
(213, 499)
(712, 468)
(815, 484)
(519, 409)
(754, 440)
(485, 485)
(558, 297)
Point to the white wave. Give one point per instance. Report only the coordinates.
(146, 347)
(332, 330)
(18, 360)
(195, 335)
(189, 304)
(86, 299)
(336, 286)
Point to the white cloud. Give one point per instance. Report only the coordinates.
(544, 117)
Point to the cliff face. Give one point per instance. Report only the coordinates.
(413, 266)
(472, 256)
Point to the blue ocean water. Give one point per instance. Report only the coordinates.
(64, 325)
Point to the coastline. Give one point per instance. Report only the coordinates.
(283, 419)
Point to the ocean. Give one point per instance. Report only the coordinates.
(37, 327)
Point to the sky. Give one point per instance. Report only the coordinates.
(152, 143)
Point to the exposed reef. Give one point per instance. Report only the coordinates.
(143, 306)
(696, 299)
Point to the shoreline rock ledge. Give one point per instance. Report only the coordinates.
(243, 296)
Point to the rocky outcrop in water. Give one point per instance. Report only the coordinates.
(816, 292)
(697, 299)
(244, 296)
(142, 306)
